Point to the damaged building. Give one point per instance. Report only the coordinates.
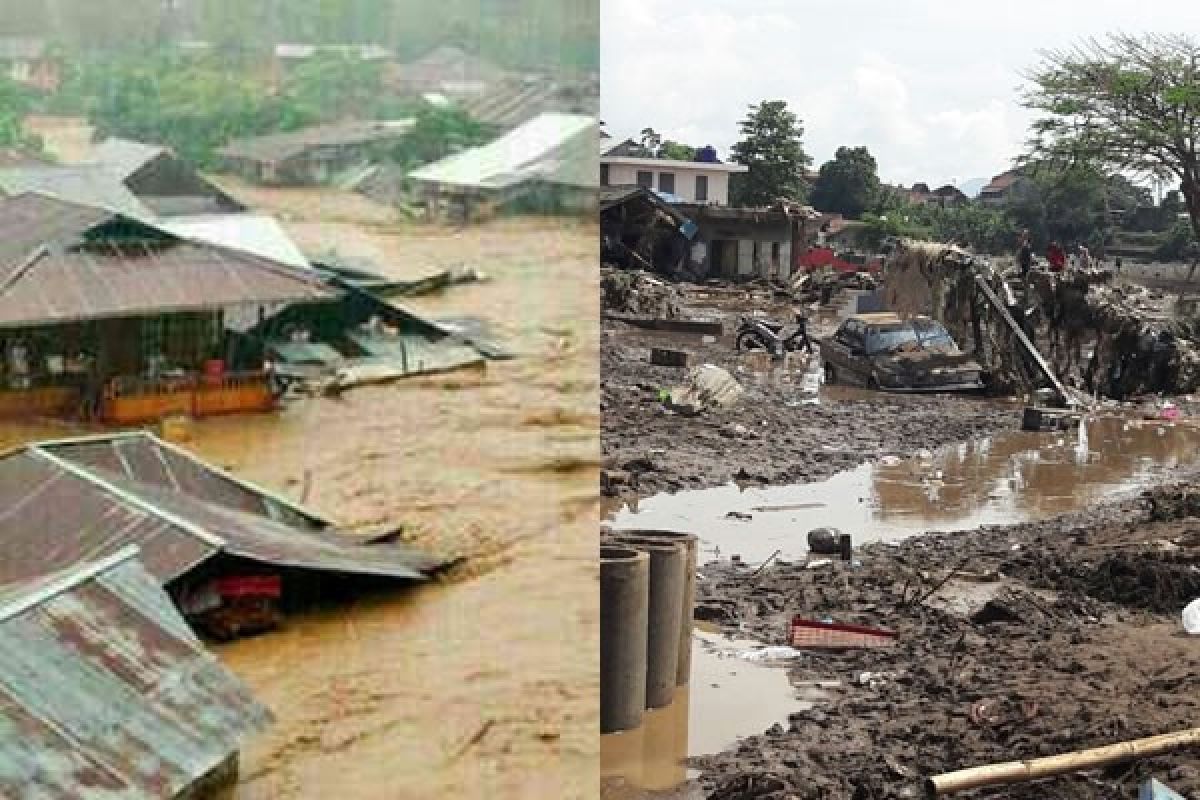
(105, 692)
(233, 556)
(313, 156)
(109, 315)
(1086, 333)
(164, 183)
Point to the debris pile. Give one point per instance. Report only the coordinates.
(638, 293)
(1115, 341)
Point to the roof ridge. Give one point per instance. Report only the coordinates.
(56, 584)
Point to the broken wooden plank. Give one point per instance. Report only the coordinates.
(1019, 332)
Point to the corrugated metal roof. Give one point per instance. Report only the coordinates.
(257, 234)
(520, 155)
(126, 156)
(69, 281)
(70, 500)
(278, 147)
(95, 185)
(105, 693)
(515, 101)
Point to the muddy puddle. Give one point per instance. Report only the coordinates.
(1009, 478)
(730, 696)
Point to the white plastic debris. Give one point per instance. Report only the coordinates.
(1191, 617)
(773, 653)
(820, 562)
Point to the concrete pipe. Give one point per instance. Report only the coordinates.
(684, 668)
(668, 575)
(624, 613)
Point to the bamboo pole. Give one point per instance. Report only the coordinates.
(1079, 761)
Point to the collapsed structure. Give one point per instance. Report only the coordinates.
(207, 537)
(1117, 341)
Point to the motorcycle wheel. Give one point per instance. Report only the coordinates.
(749, 340)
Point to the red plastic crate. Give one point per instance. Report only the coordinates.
(814, 634)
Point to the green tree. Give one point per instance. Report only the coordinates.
(1066, 204)
(773, 149)
(437, 133)
(849, 184)
(1126, 103)
(676, 151)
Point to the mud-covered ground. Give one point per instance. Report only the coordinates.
(776, 434)
(1079, 644)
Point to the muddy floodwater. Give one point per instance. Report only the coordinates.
(1007, 478)
(729, 697)
(482, 684)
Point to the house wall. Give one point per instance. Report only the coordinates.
(740, 251)
(620, 174)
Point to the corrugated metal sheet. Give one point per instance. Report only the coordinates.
(519, 155)
(256, 234)
(125, 156)
(279, 147)
(74, 501)
(144, 458)
(110, 280)
(105, 693)
(31, 220)
(88, 184)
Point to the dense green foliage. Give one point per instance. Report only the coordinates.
(15, 103)
(849, 184)
(772, 147)
(437, 134)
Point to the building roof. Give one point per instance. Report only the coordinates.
(615, 156)
(256, 234)
(105, 692)
(279, 147)
(62, 262)
(87, 184)
(126, 156)
(88, 498)
(1001, 183)
(366, 52)
(13, 48)
(514, 101)
(548, 147)
(449, 63)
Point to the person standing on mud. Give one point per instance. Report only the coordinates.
(1024, 255)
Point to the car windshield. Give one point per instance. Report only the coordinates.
(925, 334)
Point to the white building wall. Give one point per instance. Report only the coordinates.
(685, 173)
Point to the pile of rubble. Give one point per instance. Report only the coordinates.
(1111, 340)
(638, 293)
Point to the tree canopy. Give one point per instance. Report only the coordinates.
(772, 147)
(1126, 103)
(848, 184)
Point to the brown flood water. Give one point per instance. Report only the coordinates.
(483, 685)
(1003, 479)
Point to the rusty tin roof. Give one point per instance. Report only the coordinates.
(104, 692)
(72, 500)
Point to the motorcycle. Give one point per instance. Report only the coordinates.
(764, 334)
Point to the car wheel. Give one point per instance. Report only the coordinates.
(830, 373)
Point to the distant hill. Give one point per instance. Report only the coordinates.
(972, 187)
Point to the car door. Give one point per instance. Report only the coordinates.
(857, 365)
(833, 350)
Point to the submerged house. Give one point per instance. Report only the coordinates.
(312, 156)
(108, 314)
(231, 555)
(548, 162)
(31, 62)
(515, 100)
(447, 70)
(105, 692)
(162, 181)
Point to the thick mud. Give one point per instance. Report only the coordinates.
(1014, 642)
(483, 684)
(781, 432)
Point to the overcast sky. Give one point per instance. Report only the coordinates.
(929, 86)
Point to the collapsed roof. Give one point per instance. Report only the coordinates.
(86, 498)
(104, 691)
(63, 262)
(160, 180)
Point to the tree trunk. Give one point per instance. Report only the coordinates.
(1190, 188)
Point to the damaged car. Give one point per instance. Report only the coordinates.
(898, 354)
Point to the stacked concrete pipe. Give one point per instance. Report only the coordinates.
(689, 541)
(624, 619)
(668, 576)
